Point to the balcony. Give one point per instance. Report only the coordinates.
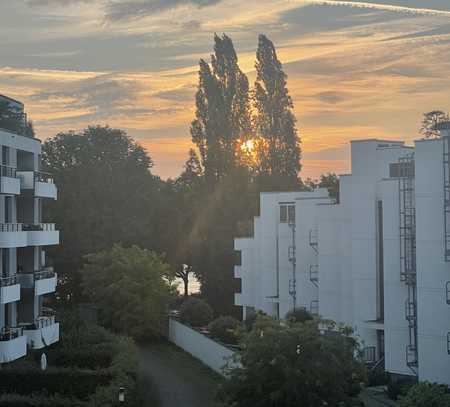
(9, 289)
(41, 333)
(45, 281)
(13, 344)
(12, 235)
(41, 234)
(9, 184)
(40, 182)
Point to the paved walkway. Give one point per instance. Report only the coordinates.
(175, 379)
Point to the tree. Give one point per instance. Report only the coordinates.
(132, 288)
(278, 145)
(222, 119)
(14, 120)
(331, 182)
(293, 364)
(106, 195)
(196, 312)
(429, 122)
(426, 395)
(183, 272)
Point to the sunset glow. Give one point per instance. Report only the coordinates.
(355, 69)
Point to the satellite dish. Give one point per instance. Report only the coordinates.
(43, 362)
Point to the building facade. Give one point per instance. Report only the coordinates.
(25, 275)
(377, 261)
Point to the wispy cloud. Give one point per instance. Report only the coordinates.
(135, 9)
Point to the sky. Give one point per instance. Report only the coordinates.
(355, 69)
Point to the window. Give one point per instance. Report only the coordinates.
(447, 291)
(237, 258)
(287, 213)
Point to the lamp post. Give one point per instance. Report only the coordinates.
(121, 396)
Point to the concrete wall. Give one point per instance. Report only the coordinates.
(208, 351)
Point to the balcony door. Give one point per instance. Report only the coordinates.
(8, 209)
(5, 155)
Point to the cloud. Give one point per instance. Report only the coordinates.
(135, 9)
(55, 3)
(440, 5)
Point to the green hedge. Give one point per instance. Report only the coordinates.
(64, 381)
(16, 400)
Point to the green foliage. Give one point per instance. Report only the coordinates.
(293, 365)
(222, 119)
(397, 388)
(225, 329)
(106, 195)
(299, 315)
(131, 287)
(63, 381)
(16, 400)
(196, 312)
(13, 120)
(429, 122)
(426, 395)
(278, 144)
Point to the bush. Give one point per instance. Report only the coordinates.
(196, 312)
(225, 329)
(397, 388)
(16, 400)
(64, 381)
(299, 315)
(426, 395)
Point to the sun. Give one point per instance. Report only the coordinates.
(248, 146)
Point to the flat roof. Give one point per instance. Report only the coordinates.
(10, 99)
(378, 141)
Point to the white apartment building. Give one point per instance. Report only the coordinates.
(378, 260)
(25, 278)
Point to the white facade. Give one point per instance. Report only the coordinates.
(381, 258)
(24, 276)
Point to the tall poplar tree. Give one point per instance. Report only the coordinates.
(278, 146)
(222, 119)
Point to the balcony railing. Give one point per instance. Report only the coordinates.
(7, 171)
(39, 323)
(40, 176)
(45, 273)
(10, 280)
(39, 227)
(11, 227)
(8, 334)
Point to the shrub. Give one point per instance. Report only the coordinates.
(64, 381)
(225, 329)
(16, 400)
(196, 312)
(426, 395)
(397, 388)
(299, 315)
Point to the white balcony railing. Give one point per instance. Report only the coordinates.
(40, 323)
(10, 280)
(7, 171)
(8, 334)
(44, 273)
(41, 176)
(11, 227)
(39, 227)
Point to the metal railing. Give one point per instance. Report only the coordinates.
(40, 322)
(10, 280)
(7, 171)
(41, 176)
(11, 227)
(44, 273)
(369, 354)
(39, 227)
(8, 334)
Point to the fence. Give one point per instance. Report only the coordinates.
(208, 351)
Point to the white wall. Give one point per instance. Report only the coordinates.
(208, 351)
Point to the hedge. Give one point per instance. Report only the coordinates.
(16, 400)
(64, 381)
